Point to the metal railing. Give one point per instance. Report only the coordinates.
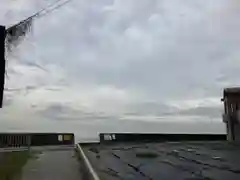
(91, 173)
(11, 140)
(17, 140)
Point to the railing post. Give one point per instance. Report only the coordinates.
(29, 141)
(2, 62)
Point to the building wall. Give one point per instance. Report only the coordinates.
(237, 133)
(232, 112)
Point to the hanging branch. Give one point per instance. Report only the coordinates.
(18, 31)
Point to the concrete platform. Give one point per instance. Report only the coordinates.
(53, 164)
(166, 161)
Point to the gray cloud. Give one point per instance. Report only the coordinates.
(210, 112)
(125, 58)
(63, 112)
(99, 52)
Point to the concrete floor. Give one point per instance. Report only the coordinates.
(181, 161)
(53, 165)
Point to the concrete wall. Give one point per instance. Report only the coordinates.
(232, 115)
(237, 133)
(134, 137)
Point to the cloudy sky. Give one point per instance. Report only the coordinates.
(121, 65)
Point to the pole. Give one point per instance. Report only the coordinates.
(2, 62)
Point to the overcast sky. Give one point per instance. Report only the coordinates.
(112, 65)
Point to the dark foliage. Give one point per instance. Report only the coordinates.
(17, 32)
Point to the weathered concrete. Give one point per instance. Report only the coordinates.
(180, 160)
(53, 165)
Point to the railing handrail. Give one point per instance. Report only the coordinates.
(88, 164)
